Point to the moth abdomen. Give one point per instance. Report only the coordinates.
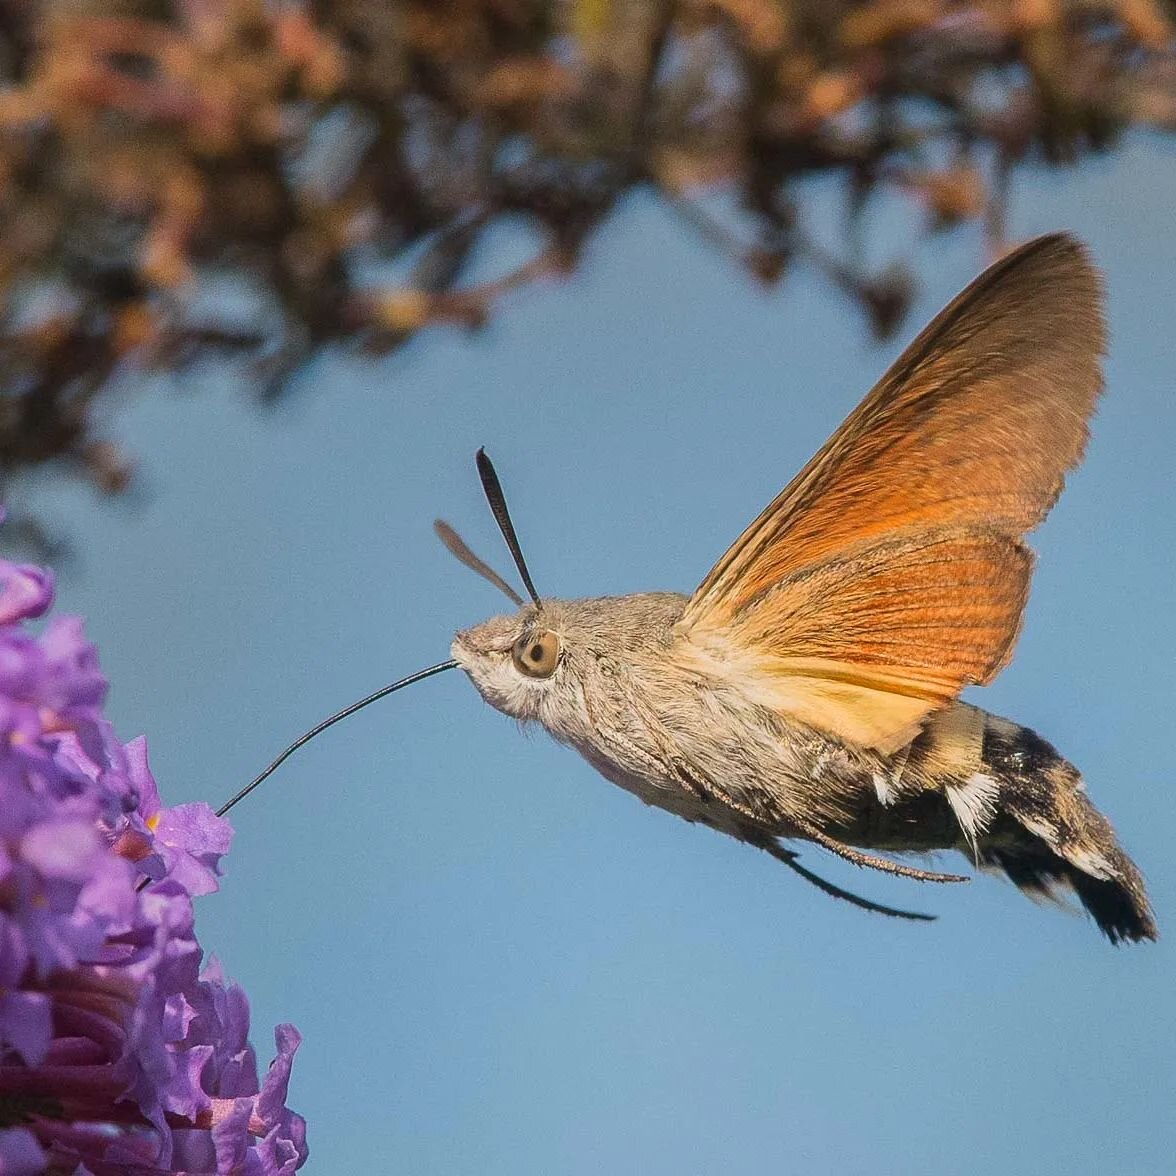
(1045, 831)
(1005, 798)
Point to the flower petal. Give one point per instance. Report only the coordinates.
(62, 849)
(26, 1022)
(25, 591)
(20, 1153)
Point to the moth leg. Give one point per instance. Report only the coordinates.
(608, 734)
(789, 859)
(706, 786)
(699, 784)
(872, 861)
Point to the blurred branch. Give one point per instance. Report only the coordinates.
(261, 178)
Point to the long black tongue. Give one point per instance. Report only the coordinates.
(419, 676)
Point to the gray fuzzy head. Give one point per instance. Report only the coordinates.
(546, 663)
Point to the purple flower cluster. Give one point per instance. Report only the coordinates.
(119, 1052)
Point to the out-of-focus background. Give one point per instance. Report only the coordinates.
(499, 962)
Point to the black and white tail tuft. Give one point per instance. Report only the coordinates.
(1045, 833)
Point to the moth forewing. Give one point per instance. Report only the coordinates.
(975, 424)
(896, 552)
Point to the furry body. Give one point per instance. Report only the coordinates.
(682, 729)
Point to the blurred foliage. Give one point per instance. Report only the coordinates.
(185, 177)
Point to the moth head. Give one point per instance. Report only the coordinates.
(518, 663)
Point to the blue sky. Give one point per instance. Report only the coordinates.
(501, 963)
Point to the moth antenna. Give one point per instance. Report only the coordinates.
(456, 546)
(492, 488)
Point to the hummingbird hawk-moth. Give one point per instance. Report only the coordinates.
(808, 689)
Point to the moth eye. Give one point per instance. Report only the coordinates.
(536, 655)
